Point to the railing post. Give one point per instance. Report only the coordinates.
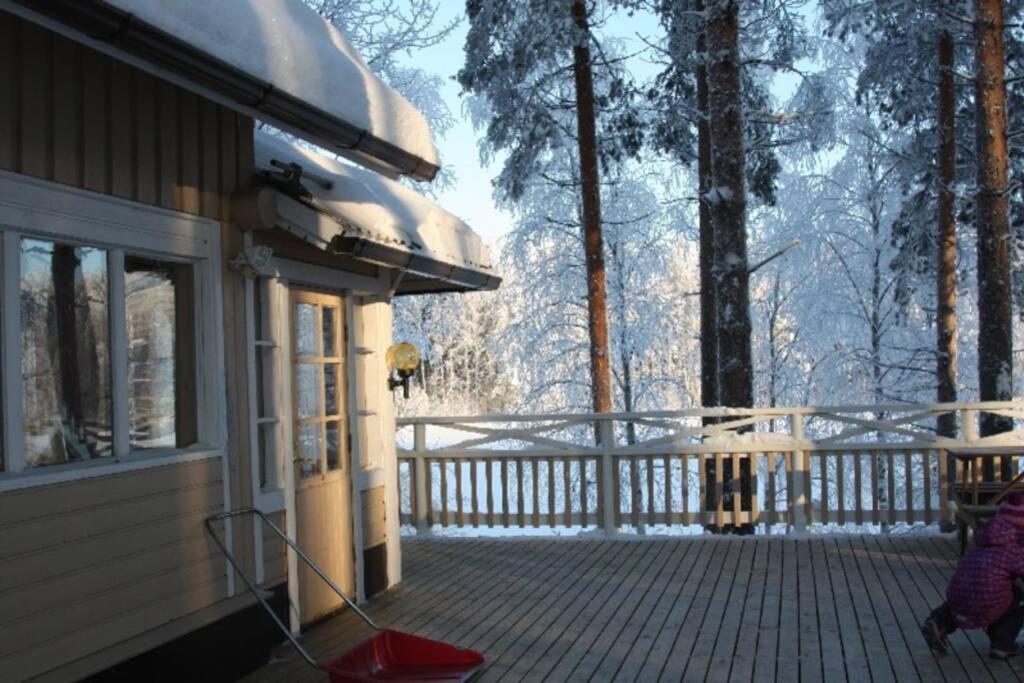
(970, 424)
(422, 497)
(797, 497)
(607, 492)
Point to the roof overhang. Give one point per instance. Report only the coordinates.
(347, 211)
(126, 36)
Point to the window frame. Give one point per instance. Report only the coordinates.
(40, 209)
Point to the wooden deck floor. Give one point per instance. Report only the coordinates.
(830, 608)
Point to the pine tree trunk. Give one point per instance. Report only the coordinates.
(708, 316)
(728, 204)
(600, 369)
(727, 200)
(995, 330)
(946, 294)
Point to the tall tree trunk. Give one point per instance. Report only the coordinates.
(708, 314)
(995, 329)
(597, 297)
(727, 200)
(65, 270)
(945, 309)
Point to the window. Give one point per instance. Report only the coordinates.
(65, 353)
(159, 316)
(104, 307)
(318, 383)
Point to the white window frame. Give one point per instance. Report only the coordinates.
(40, 209)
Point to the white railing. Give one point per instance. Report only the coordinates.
(827, 465)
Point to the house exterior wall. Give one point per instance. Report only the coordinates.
(96, 570)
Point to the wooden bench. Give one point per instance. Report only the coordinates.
(976, 501)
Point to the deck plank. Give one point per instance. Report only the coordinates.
(836, 608)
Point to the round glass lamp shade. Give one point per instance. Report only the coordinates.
(403, 358)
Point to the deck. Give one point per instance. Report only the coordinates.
(831, 608)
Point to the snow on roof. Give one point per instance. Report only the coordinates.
(288, 45)
(383, 210)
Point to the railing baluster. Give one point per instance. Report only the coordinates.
(719, 489)
(535, 471)
(520, 494)
(755, 510)
(891, 484)
(459, 513)
(634, 492)
(428, 472)
(684, 485)
(876, 516)
(583, 492)
(475, 502)
(823, 463)
(551, 493)
(567, 488)
(617, 492)
(858, 487)
(791, 493)
(772, 493)
(445, 521)
(702, 488)
(944, 479)
(737, 490)
(650, 490)
(669, 515)
(926, 470)
(505, 517)
(840, 459)
(489, 472)
(908, 475)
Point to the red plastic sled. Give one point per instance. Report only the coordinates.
(396, 656)
(386, 655)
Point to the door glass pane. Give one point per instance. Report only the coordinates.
(305, 330)
(65, 356)
(331, 389)
(307, 388)
(308, 449)
(333, 445)
(330, 315)
(161, 361)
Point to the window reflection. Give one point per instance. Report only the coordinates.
(65, 359)
(161, 361)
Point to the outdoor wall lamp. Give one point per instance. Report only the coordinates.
(403, 359)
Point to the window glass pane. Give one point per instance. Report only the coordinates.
(161, 354)
(331, 389)
(309, 450)
(308, 389)
(65, 361)
(305, 330)
(330, 315)
(333, 445)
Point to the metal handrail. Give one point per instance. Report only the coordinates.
(255, 591)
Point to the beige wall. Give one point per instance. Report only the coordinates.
(95, 571)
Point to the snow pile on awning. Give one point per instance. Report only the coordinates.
(289, 47)
(369, 208)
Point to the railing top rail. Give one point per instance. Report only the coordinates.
(717, 412)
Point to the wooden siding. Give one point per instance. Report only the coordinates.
(97, 570)
(85, 564)
(80, 118)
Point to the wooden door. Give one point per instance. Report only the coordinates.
(323, 492)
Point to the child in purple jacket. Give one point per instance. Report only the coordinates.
(983, 592)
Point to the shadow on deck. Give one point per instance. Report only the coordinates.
(721, 609)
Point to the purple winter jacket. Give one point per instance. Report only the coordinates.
(982, 588)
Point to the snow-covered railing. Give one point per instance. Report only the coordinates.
(877, 465)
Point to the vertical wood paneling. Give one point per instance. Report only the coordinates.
(95, 149)
(209, 178)
(66, 115)
(167, 130)
(9, 83)
(188, 146)
(35, 100)
(120, 130)
(147, 187)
